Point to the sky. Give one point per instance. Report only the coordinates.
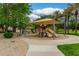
(44, 9)
(46, 5)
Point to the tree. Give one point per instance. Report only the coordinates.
(57, 16)
(67, 13)
(75, 6)
(14, 15)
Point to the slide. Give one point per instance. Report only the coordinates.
(50, 33)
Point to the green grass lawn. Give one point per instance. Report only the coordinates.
(69, 49)
(61, 31)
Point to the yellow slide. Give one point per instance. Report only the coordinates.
(50, 33)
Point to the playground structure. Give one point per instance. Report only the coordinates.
(50, 33)
(44, 31)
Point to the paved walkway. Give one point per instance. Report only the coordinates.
(48, 47)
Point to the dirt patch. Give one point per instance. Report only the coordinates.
(13, 47)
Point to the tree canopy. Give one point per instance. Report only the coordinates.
(14, 14)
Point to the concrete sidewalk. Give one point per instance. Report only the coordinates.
(43, 50)
(48, 47)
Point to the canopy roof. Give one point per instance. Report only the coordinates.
(46, 22)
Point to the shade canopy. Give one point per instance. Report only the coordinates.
(46, 22)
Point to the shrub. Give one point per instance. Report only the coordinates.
(8, 34)
(9, 31)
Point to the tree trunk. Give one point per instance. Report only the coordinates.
(68, 23)
(76, 25)
(54, 27)
(14, 29)
(6, 28)
(23, 30)
(20, 31)
(2, 26)
(65, 26)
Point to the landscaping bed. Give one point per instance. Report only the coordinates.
(13, 47)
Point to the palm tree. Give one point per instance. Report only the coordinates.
(55, 17)
(67, 13)
(65, 21)
(76, 12)
(75, 6)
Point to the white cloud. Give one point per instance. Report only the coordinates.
(33, 17)
(45, 11)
